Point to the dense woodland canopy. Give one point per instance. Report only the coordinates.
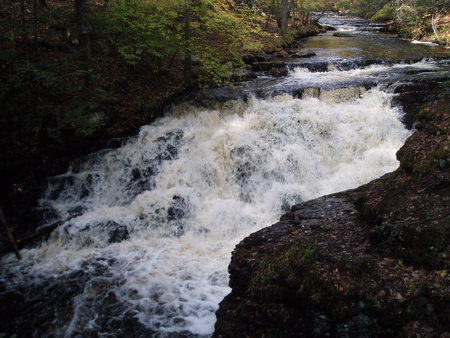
(73, 69)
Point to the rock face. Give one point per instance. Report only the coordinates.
(370, 262)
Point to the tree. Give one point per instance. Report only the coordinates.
(161, 31)
(187, 38)
(150, 30)
(284, 15)
(84, 30)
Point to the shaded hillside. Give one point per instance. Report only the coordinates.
(46, 111)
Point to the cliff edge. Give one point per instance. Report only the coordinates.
(370, 262)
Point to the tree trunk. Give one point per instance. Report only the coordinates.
(9, 234)
(84, 30)
(35, 28)
(187, 51)
(284, 15)
(269, 14)
(434, 18)
(21, 241)
(294, 14)
(24, 28)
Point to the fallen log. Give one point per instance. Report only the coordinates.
(12, 242)
(22, 240)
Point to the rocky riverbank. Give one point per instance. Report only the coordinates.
(370, 262)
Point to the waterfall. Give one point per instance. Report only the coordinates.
(152, 224)
(149, 227)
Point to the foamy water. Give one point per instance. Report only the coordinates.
(161, 215)
(373, 71)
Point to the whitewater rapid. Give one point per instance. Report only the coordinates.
(152, 224)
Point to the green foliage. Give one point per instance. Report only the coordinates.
(138, 28)
(405, 159)
(385, 13)
(155, 31)
(53, 102)
(365, 9)
(424, 114)
(253, 46)
(217, 35)
(343, 4)
(45, 94)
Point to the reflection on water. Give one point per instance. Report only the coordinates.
(365, 43)
(369, 45)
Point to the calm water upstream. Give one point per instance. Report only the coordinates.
(366, 43)
(152, 224)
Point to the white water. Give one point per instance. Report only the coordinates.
(187, 189)
(373, 71)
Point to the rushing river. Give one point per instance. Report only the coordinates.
(151, 225)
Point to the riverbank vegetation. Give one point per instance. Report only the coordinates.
(74, 73)
(415, 20)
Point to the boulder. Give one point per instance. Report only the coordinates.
(304, 53)
(279, 72)
(327, 27)
(255, 57)
(342, 35)
(266, 66)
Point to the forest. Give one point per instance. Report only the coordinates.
(76, 72)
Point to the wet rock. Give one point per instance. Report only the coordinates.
(265, 66)
(328, 27)
(304, 53)
(114, 143)
(342, 35)
(118, 233)
(279, 72)
(242, 74)
(249, 59)
(413, 96)
(178, 209)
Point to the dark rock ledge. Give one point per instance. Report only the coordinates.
(370, 262)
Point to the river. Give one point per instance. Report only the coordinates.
(151, 225)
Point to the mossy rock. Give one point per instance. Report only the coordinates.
(405, 159)
(424, 116)
(438, 159)
(289, 275)
(418, 246)
(342, 35)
